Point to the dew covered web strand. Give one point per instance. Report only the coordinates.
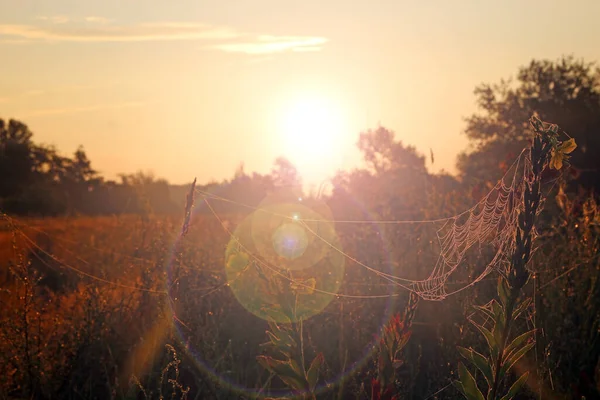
(491, 222)
(31, 244)
(276, 271)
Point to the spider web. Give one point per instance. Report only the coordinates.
(491, 224)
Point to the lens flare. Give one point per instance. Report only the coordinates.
(277, 273)
(277, 268)
(290, 241)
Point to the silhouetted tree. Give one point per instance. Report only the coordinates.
(17, 164)
(285, 176)
(383, 153)
(566, 92)
(395, 182)
(148, 194)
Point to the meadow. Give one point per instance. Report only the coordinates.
(396, 283)
(130, 307)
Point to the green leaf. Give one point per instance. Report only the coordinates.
(503, 291)
(499, 321)
(299, 371)
(288, 372)
(273, 339)
(482, 364)
(512, 360)
(293, 382)
(458, 385)
(489, 337)
(497, 309)
(470, 388)
(276, 315)
(488, 313)
(284, 370)
(479, 361)
(522, 307)
(517, 342)
(514, 389)
(263, 361)
(466, 353)
(312, 375)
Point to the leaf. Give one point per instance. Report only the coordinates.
(556, 159)
(403, 340)
(518, 341)
(479, 361)
(497, 309)
(458, 385)
(522, 307)
(276, 315)
(470, 388)
(238, 262)
(512, 360)
(489, 337)
(514, 389)
(559, 154)
(499, 321)
(312, 375)
(292, 382)
(485, 311)
(285, 370)
(304, 286)
(274, 327)
(568, 146)
(503, 291)
(466, 353)
(482, 364)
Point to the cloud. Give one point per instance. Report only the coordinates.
(97, 20)
(100, 29)
(55, 19)
(113, 33)
(75, 110)
(266, 44)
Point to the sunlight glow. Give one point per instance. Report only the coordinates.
(312, 130)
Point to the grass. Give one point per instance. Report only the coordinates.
(86, 313)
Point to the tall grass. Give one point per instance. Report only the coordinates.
(89, 310)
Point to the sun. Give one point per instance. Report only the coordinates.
(312, 132)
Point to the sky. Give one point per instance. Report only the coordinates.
(194, 87)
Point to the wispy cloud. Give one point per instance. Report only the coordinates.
(100, 29)
(75, 110)
(54, 19)
(116, 33)
(97, 20)
(266, 44)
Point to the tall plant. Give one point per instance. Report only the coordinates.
(505, 350)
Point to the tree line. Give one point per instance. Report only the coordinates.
(38, 180)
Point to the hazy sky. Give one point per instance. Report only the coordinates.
(193, 87)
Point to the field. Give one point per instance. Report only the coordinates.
(428, 295)
(125, 307)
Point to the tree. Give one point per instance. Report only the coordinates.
(16, 162)
(285, 174)
(395, 182)
(383, 153)
(566, 92)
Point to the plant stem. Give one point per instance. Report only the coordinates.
(518, 274)
(514, 295)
